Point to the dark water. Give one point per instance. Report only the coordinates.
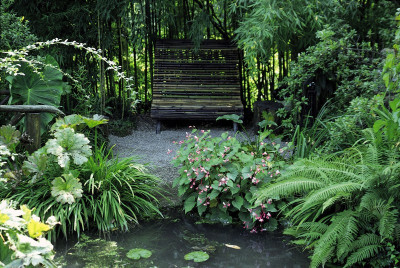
(170, 240)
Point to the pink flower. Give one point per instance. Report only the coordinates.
(169, 151)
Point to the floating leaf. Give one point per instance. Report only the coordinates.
(66, 191)
(138, 253)
(197, 256)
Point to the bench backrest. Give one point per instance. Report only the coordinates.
(195, 84)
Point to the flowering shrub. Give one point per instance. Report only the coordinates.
(219, 177)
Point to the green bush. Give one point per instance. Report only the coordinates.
(83, 191)
(338, 67)
(347, 205)
(219, 176)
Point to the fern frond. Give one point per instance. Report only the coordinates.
(366, 240)
(388, 221)
(347, 237)
(321, 195)
(326, 170)
(362, 254)
(326, 245)
(331, 201)
(289, 188)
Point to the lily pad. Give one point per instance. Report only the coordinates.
(197, 256)
(138, 253)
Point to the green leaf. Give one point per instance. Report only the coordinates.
(190, 203)
(233, 117)
(36, 229)
(138, 253)
(197, 256)
(9, 136)
(69, 121)
(44, 88)
(66, 191)
(214, 194)
(95, 121)
(69, 145)
(238, 202)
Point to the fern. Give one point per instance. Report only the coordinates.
(363, 253)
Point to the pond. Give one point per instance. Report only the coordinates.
(169, 240)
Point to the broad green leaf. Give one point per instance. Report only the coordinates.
(36, 229)
(197, 256)
(238, 202)
(201, 209)
(67, 145)
(69, 121)
(43, 88)
(95, 121)
(36, 164)
(214, 194)
(66, 190)
(189, 203)
(232, 117)
(138, 253)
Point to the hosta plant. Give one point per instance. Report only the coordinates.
(219, 176)
(22, 242)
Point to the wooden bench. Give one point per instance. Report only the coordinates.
(193, 84)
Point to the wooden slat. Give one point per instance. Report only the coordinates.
(195, 83)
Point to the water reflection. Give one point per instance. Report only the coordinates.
(169, 241)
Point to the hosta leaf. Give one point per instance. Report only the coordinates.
(67, 145)
(66, 190)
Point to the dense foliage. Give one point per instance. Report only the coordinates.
(81, 188)
(219, 176)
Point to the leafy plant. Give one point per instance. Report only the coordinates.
(22, 242)
(218, 177)
(347, 205)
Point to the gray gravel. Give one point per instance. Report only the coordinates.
(152, 148)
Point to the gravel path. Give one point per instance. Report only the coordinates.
(152, 148)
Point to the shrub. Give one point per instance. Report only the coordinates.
(347, 205)
(82, 190)
(219, 176)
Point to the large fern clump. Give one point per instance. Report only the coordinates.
(346, 206)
